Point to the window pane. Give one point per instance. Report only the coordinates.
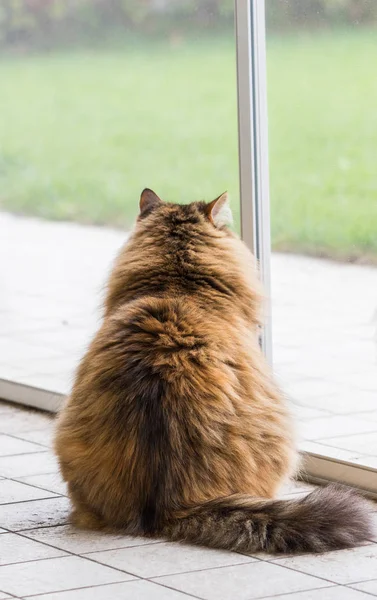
(98, 101)
(323, 134)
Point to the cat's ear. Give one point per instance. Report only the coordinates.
(148, 201)
(219, 212)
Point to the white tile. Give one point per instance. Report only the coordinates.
(13, 491)
(166, 558)
(80, 542)
(131, 590)
(365, 443)
(10, 446)
(332, 396)
(244, 582)
(342, 566)
(52, 482)
(44, 436)
(24, 420)
(305, 412)
(35, 514)
(4, 596)
(17, 549)
(56, 574)
(28, 464)
(331, 593)
(321, 449)
(370, 415)
(370, 587)
(329, 427)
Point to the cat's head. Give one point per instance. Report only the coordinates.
(216, 214)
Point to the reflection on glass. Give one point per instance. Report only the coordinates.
(323, 135)
(99, 100)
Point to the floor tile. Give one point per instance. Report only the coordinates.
(322, 449)
(52, 482)
(31, 464)
(24, 420)
(365, 443)
(332, 593)
(13, 491)
(35, 514)
(370, 415)
(44, 436)
(82, 542)
(342, 566)
(56, 574)
(131, 590)
(17, 549)
(166, 558)
(11, 446)
(303, 413)
(367, 586)
(331, 427)
(244, 582)
(4, 596)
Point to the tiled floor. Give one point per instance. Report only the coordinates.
(42, 556)
(324, 324)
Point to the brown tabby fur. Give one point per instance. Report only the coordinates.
(175, 426)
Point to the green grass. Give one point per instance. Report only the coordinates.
(82, 132)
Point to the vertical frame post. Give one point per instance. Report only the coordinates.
(253, 142)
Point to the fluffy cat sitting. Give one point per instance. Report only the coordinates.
(175, 427)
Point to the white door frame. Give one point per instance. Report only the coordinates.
(253, 142)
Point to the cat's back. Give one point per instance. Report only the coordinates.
(167, 338)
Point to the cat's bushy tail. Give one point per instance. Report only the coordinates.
(329, 518)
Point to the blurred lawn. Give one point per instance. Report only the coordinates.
(81, 133)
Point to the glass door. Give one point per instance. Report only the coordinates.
(98, 101)
(322, 95)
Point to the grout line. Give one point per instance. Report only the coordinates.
(33, 560)
(87, 587)
(349, 586)
(169, 574)
(45, 451)
(71, 553)
(36, 486)
(250, 562)
(296, 593)
(30, 500)
(123, 548)
(303, 572)
(40, 527)
(34, 500)
(39, 487)
(17, 437)
(330, 437)
(8, 594)
(30, 474)
(85, 556)
(164, 585)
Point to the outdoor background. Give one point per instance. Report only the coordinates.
(100, 98)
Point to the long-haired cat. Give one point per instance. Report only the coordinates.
(175, 427)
